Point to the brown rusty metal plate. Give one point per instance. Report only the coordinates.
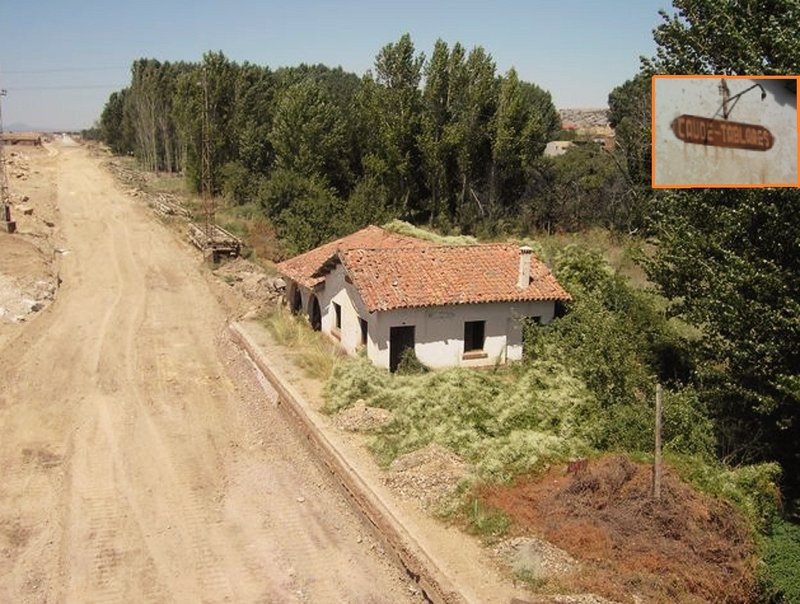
(722, 133)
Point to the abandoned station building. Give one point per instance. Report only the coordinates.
(454, 305)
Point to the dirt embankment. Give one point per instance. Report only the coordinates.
(687, 547)
(28, 262)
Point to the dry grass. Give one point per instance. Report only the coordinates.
(164, 182)
(310, 350)
(404, 228)
(619, 251)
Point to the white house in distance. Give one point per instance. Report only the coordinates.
(454, 305)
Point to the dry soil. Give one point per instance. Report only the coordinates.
(141, 460)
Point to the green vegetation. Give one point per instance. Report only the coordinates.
(504, 424)
(485, 522)
(444, 141)
(782, 559)
(404, 228)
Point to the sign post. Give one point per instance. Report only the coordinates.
(722, 133)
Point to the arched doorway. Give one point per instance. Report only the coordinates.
(296, 303)
(314, 313)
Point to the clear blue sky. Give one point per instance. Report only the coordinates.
(60, 59)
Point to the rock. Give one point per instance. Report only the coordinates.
(26, 210)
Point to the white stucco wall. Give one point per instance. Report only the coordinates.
(681, 163)
(338, 290)
(439, 331)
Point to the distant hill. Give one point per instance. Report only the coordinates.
(23, 127)
(19, 127)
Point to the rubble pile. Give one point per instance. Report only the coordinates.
(427, 475)
(361, 418)
(20, 297)
(251, 282)
(17, 165)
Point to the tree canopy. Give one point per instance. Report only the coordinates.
(444, 140)
(728, 259)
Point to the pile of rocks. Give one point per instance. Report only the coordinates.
(361, 418)
(534, 558)
(22, 297)
(17, 165)
(251, 282)
(427, 475)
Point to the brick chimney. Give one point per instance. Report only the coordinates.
(524, 279)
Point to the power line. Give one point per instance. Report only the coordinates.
(63, 69)
(85, 87)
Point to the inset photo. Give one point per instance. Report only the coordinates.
(724, 131)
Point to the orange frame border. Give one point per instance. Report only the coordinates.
(716, 186)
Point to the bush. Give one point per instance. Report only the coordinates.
(504, 426)
(781, 551)
(409, 363)
(751, 489)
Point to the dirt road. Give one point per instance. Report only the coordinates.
(140, 460)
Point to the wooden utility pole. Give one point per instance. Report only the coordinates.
(657, 458)
(5, 197)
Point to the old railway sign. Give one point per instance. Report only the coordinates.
(722, 133)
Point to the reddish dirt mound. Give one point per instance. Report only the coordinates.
(685, 548)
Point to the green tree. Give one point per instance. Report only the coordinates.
(473, 91)
(586, 189)
(730, 259)
(205, 104)
(436, 115)
(255, 89)
(305, 210)
(729, 36)
(115, 123)
(308, 134)
(394, 105)
(524, 122)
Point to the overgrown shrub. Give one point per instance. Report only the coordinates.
(409, 363)
(504, 426)
(781, 574)
(751, 489)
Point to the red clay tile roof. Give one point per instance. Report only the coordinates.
(414, 277)
(302, 268)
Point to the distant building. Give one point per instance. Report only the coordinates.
(453, 305)
(556, 148)
(22, 138)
